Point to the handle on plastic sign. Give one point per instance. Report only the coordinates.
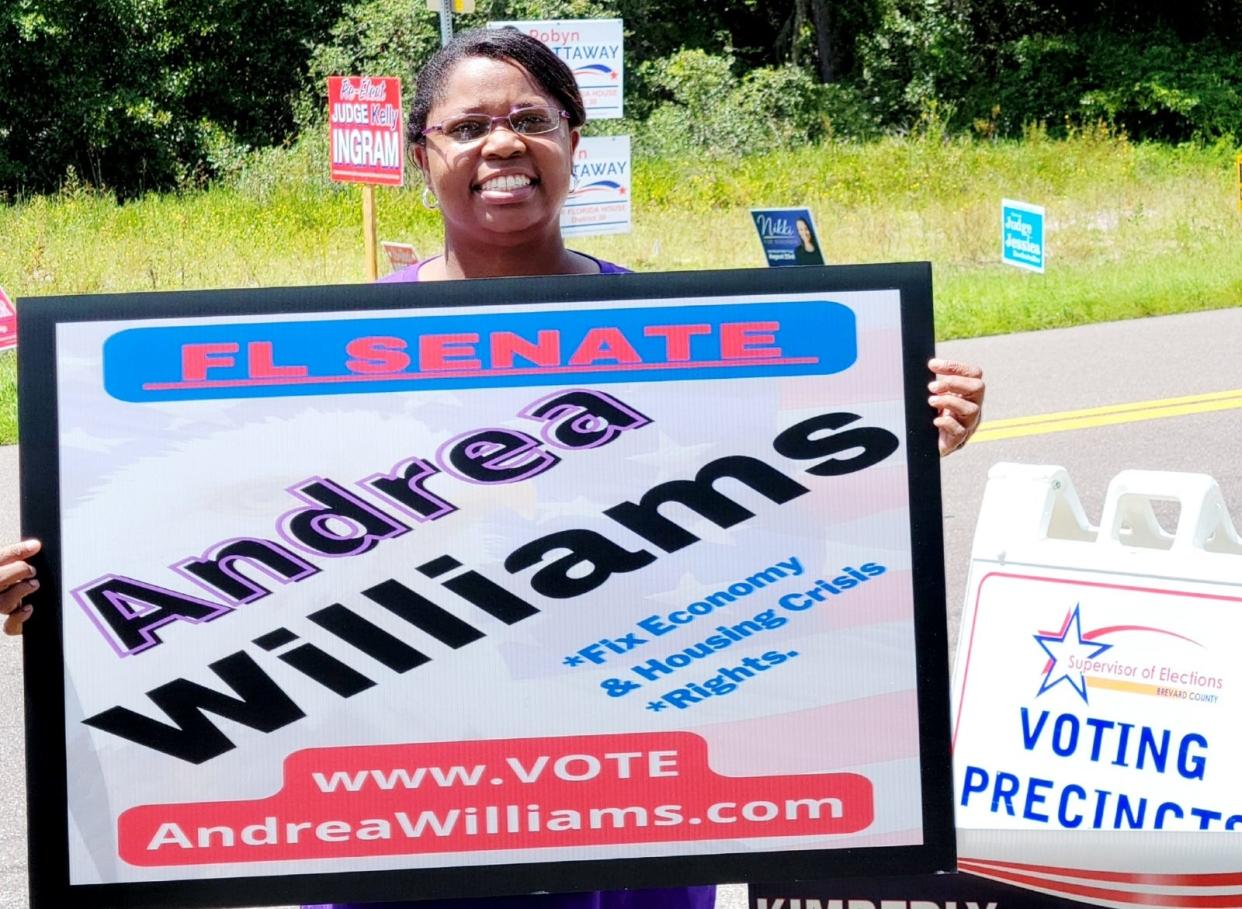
(1203, 523)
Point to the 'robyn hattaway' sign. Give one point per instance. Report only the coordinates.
(371, 591)
(594, 50)
(365, 130)
(600, 200)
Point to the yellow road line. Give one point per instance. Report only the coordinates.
(1112, 415)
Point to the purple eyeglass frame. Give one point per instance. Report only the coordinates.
(492, 121)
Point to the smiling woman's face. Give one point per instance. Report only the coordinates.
(804, 231)
(504, 188)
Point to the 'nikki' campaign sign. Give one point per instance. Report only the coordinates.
(365, 131)
(483, 587)
(788, 236)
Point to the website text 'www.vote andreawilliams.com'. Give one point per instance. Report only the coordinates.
(496, 795)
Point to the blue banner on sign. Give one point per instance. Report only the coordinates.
(1022, 235)
(788, 236)
(479, 350)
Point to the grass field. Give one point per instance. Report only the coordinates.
(1133, 229)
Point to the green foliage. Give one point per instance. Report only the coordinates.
(920, 56)
(709, 109)
(375, 38)
(139, 95)
(1136, 228)
(1151, 86)
(8, 397)
(1161, 88)
(131, 93)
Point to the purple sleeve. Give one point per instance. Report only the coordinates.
(402, 275)
(607, 268)
(409, 274)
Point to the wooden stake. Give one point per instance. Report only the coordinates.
(369, 231)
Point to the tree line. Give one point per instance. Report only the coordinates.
(139, 95)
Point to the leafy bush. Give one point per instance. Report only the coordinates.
(707, 108)
(921, 56)
(1158, 87)
(1150, 85)
(130, 93)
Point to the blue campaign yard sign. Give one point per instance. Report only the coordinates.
(788, 236)
(1022, 235)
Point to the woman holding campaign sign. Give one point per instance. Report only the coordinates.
(494, 126)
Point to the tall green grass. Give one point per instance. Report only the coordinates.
(1133, 229)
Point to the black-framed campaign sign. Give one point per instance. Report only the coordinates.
(483, 587)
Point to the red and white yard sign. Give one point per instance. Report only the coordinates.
(365, 130)
(8, 322)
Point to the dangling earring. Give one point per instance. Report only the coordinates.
(429, 198)
(573, 187)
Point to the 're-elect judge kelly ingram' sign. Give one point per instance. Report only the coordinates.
(468, 588)
(365, 130)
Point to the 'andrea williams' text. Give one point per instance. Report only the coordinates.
(334, 522)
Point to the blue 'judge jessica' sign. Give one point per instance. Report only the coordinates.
(788, 236)
(1022, 235)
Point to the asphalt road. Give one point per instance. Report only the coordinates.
(1028, 374)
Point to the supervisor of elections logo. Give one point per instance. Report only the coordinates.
(1082, 659)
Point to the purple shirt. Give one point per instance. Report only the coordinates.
(410, 272)
(669, 898)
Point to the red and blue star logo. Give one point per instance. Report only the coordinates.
(1071, 645)
(1061, 646)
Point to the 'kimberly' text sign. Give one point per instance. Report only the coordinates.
(371, 591)
(365, 137)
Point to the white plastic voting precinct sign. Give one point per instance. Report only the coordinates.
(1098, 694)
(1022, 235)
(594, 50)
(600, 200)
(469, 588)
(8, 322)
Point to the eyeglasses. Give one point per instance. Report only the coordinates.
(526, 121)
